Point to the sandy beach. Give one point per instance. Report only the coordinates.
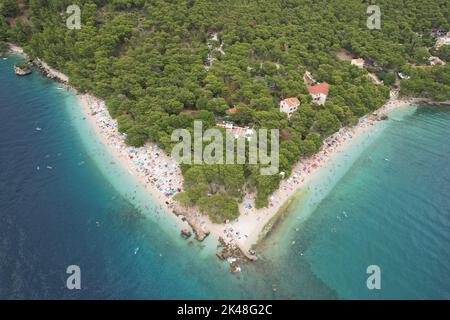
(161, 175)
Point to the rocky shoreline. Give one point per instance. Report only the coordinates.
(45, 70)
(19, 71)
(199, 233)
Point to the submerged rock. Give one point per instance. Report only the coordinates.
(186, 233)
(200, 235)
(234, 267)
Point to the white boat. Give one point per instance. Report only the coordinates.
(38, 129)
(136, 250)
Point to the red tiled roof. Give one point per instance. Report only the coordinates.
(319, 88)
(232, 110)
(291, 101)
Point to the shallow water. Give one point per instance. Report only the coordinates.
(391, 209)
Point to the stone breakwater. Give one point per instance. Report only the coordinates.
(50, 73)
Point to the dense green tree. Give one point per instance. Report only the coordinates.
(326, 123)
(244, 115)
(444, 53)
(183, 199)
(428, 82)
(136, 136)
(9, 8)
(219, 208)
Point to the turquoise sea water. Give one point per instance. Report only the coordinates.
(390, 209)
(80, 208)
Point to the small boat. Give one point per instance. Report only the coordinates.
(37, 168)
(136, 250)
(48, 167)
(38, 129)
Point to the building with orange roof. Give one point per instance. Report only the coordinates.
(319, 92)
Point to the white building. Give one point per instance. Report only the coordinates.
(358, 63)
(289, 105)
(319, 93)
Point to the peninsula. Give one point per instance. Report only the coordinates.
(141, 75)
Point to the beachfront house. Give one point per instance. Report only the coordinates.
(289, 105)
(319, 93)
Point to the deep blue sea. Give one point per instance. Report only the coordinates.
(63, 202)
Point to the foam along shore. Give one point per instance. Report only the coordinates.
(161, 175)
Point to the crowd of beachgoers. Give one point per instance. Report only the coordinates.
(246, 229)
(149, 161)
